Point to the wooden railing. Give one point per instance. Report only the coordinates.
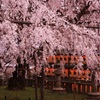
(79, 86)
(72, 85)
(72, 80)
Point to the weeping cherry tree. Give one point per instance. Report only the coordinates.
(30, 31)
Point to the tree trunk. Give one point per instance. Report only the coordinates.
(94, 82)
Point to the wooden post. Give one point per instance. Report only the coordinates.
(36, 87)
(5, 98)
(74, 90)
(42, 84)
(29, 99)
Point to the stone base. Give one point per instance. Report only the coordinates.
(58, 89)
(94, 95)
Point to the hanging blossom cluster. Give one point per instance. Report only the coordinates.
(84, 12)
(46, 33)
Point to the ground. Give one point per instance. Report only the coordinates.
(29, 93)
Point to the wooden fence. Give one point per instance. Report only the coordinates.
(78, 86)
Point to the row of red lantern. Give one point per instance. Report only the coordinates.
(65, 58)
(73, 73)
